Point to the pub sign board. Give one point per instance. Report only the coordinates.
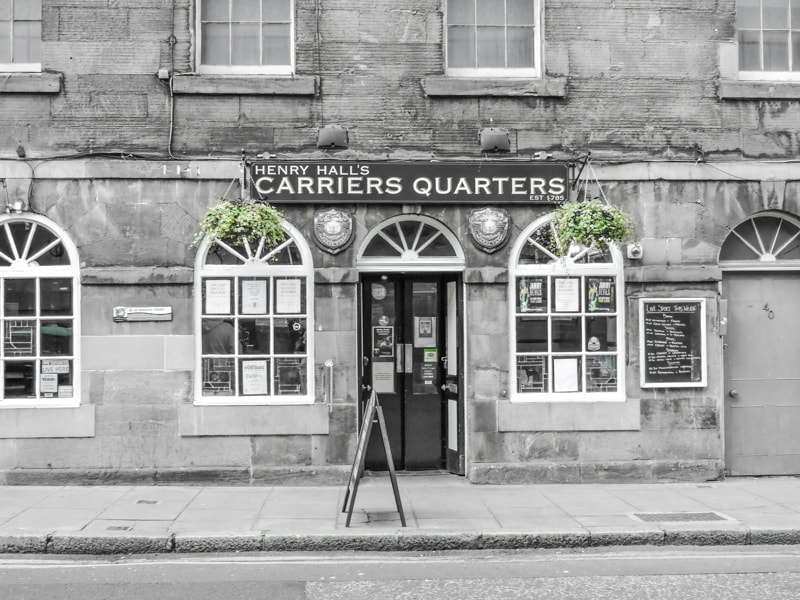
(409, 182)
(672, 340)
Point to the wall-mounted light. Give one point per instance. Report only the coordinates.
(494, 139)
(333, 136)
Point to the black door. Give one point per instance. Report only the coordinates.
(408, 328)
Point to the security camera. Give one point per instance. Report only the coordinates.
(635, 251)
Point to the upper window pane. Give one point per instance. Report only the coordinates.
(20, 35)
(497, 38)
(246, 36)
(768, 33)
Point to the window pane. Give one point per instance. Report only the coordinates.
(521, 47)
(567, 374)
(795, 51)
(540, 248)
(5, 42)
(566, 334)
(218, 296)
(277, 49)
(18, 379)
(460, 47)
(218, 336)
(27, 41)
(532, 374)
(290, 295)
(19, 337)
(749, 51)
(290, 336)
(20, 298)
(219, 376)
(28, 10)
(56, 296)
(460, 12)
(795, 14)
(531, 294)
(215, 45)
(601, 334)
(254, 336)
(290, 376)
(55, 379)
(56, 338)
(277, 10)
(215, 10)
(776, 51)
(6, 7)
(254, 377)
(520, 12)
(600, 294)
(775, 14)
(245, 45)
(490, 12)
(748, 14)
(601, 373)
(246, 10)
(254, 296)
(491, 47)
(531, 334)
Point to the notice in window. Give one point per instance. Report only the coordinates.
(254, 378)
(383, 377)
(567, 294)
(218, 296)
(48, 383)
(565, 375)
(287, 296)
(254, 297)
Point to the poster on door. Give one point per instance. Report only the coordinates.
(383, 342)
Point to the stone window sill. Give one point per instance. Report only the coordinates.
(256, 85)
(734, 89)
(549, 87)
(30, 83)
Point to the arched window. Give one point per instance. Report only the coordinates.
(765, 241)
(411, 238)
(566, 315)
(40, 313)
(254, 320)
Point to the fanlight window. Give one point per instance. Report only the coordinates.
(39, 317)
(254, 323)
(421, 240)
(769, 239)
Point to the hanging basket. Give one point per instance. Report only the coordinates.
(591, 223)
(233, 221)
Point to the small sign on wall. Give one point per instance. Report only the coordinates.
(125, 314)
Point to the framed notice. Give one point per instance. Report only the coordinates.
(288, 296)
(672, 342)
(254, 296)
(254, 378)
(218, 296)
(567, 294)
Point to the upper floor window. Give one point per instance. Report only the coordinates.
(769, 39)
(20, 35)
(254, 320)
(567, 332)
(39, 314)
(494, 38)
(246, 36)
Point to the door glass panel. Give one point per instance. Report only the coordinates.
(425, 304)
(382, 336)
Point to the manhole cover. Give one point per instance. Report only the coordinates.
(679, 516)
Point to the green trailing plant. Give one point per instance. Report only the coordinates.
(592, 223)
(232, 221)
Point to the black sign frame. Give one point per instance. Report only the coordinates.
(408, 182)
(672, 343)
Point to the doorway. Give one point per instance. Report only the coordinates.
(411, 358)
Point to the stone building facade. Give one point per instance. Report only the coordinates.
(414, 263)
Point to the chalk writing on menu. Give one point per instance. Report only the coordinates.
(672, 338)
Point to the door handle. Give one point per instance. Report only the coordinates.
(733, 393)
(409, 359)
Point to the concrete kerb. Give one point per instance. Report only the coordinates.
(388, 541)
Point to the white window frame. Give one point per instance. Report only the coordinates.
(489, 73)
(25, 267)
(253, 267)
(287, 69)
(760, 75)
(565, 267)
(18, 67)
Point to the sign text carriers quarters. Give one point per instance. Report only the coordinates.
(409, 182)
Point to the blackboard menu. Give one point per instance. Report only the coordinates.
(672, 337)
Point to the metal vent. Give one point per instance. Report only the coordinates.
(679, 517)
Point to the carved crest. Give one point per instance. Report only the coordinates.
(489, 228)
(333, 229)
